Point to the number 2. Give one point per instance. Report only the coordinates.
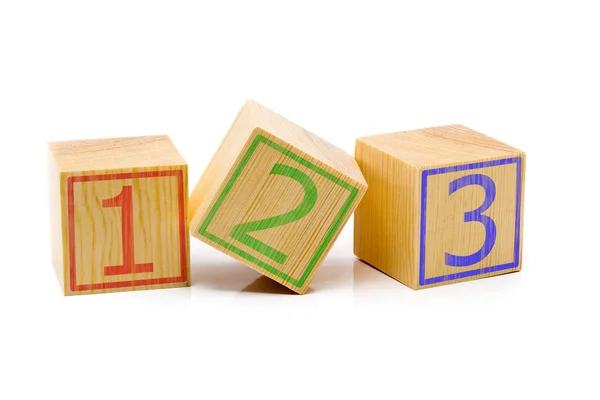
(476, 216)
(240, 231)
(124, 200)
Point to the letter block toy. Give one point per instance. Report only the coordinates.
(444, 205)
(118, 214)
(275, 197)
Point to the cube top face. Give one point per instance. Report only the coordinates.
(302, 140)
(444, 205)
(121, 228)
(470, 220)
(279, 210)
(444, 145)
(115, 153)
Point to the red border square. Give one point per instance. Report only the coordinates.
(113, 177)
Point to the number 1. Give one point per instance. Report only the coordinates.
(124, 200)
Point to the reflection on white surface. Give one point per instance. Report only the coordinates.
(230, 284)
(376, 291)
(343, 283)
(219, 272)
(267, 286)
(368, 278)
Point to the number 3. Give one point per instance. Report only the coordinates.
(240, 231)
(476, 216)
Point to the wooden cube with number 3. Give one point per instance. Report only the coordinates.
(444, 205)
(118, 214)
(275, 197)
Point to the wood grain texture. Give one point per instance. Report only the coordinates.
(275, 197)
(121, 227)
(409, 172)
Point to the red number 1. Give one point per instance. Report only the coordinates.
(125, 201)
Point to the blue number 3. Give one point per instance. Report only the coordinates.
(476, 216)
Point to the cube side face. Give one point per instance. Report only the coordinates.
(471, 220)
(125, 229)
(58, 218)
(278, 211)
(221, 164)
(386, 221)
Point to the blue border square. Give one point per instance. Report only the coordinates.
(458, 275)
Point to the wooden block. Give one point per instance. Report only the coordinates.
(444, 205)
(275, 197)
(118, 214)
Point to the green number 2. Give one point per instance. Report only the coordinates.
(240, 231)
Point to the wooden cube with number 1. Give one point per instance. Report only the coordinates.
(275, 197)
(118, 214)
(444, 205)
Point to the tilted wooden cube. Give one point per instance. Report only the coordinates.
(444, 205)
(118, 214)
(275, 197)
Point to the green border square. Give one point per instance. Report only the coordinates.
(328, 236)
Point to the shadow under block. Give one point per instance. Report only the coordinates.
(275, 197)
(118, 214)
(444, 205)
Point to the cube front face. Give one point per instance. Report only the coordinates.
(470, 221)
(125, 229)
(278, 211)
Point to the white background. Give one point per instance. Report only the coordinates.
(524, 72)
